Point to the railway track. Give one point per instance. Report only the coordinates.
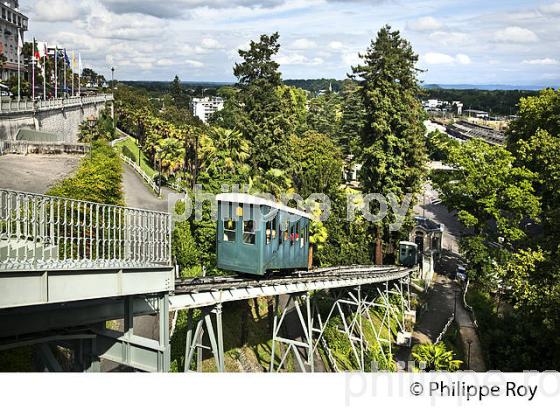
(217, 283)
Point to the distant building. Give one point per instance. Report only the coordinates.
(476, 114)
(458, 106)
(11, 22)
(351, 171)
(203, 108)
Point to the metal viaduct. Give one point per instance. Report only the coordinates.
(67, 267)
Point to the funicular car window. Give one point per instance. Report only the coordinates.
(270, 226)
(249, 233)
(230, 226)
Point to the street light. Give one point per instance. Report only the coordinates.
(112, 78)
(158, 160)
(469, 355)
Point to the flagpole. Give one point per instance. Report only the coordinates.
(79, 74)
(33, 71)
(73, 58)
(56, 72)
(45, 77)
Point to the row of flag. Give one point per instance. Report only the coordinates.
(41, 51)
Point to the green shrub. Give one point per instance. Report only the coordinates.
(98, 178)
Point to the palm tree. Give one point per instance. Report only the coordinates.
(436, 357)
(171, 154)
(231, 146)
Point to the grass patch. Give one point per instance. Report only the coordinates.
(129, 148)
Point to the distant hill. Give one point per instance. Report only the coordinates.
(487, 87)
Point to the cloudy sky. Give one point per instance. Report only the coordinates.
(475, 41)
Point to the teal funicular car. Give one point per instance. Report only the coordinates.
(258, 236)
(408, 254)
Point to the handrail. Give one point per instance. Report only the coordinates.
(467, 306)
(59, 103)
(445, 328)
(47, 232)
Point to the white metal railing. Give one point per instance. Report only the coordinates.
(58, 103)
(141, 172)
(445, 328)
(45, 232)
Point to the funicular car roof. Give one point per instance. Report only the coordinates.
(239, 198)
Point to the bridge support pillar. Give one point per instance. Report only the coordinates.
(195, 334)
(302, 350)
(134, 351)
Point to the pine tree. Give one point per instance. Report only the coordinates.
(392, 150)
(260, 114)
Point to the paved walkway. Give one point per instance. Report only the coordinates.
(139, 195)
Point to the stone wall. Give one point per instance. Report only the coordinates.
(64, 122)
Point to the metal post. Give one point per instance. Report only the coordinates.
(310, 357)
(469, 355)
(188, 340)
(163, 310)
(220, 335)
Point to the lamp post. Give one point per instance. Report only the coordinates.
(158, 160)
(469, 355)
(455, 304)
(112, 78)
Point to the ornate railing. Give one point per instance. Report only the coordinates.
(45, 232)
(58, 103)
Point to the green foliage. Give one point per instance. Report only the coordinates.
(540, 112)
(392, 150)
(98, 178)
(185, 250)
(315, 164)
(435, 357)
(325, 114)
(179, 94)
(101, 129)
(353, 119)
(439, 145)
(492, 197)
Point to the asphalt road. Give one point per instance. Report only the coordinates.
(35, 173)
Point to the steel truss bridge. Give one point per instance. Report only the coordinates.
(67, 267)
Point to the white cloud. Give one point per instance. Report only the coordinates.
(424, 24)
(440, 58)
(351, 59)
(542, 61)
(56, 11)
(336, 45)
(211, 44)
(176, 8)
(447, 38)
(463, 59)
(553, 8)
(194, 63)
(303, 44)
(165, 62)
(516, 35)
(298, 59)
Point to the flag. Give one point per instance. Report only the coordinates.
(66, 59)
(80, 63)
(42, 49)
(73, 61)
(36, 54)
(20, 43)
